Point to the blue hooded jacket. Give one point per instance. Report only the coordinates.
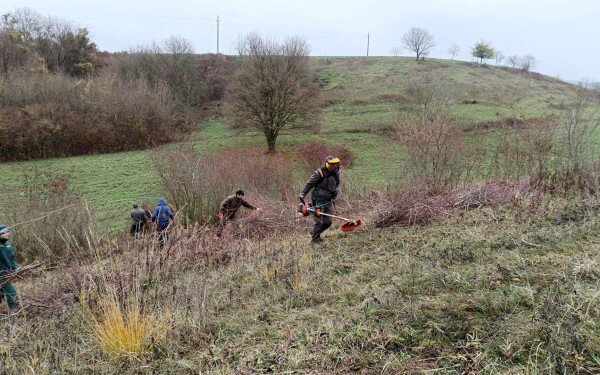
(163, 213)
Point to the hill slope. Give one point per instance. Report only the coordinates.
(491, 291)
(362, 98)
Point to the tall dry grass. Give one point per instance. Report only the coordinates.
(125, 330)
(51, 221)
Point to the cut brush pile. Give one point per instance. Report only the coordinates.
(418, 208)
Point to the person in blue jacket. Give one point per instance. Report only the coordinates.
(162, 215)
(7, 267)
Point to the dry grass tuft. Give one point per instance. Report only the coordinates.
(126, 331)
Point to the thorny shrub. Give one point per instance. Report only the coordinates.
(435, 153)
(417, 207)
(198, 182)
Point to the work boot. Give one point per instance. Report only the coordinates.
(316, 240)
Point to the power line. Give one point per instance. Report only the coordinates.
(368, 40)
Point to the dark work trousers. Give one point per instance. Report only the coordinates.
(322, 222)
(8, 290)
(136, 228)
(162, 234)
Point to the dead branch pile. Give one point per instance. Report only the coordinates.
(418, 208)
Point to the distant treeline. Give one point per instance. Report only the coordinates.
(60, 96)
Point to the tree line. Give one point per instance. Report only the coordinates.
(420, 42)
(61, 96)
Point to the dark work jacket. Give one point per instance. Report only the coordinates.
(7, 257)
(138, 216)
(325, 184)
(231, 204)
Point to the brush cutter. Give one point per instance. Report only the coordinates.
(348, 226)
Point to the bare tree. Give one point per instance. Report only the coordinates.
(396, 51)
(513, 61)
(178, 64)
(527, 63)
(273, 87)
(499, 57)
(453, 51)
(418, 40)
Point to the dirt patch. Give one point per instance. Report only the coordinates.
(393, 98)
(506, 122)
(359, 102)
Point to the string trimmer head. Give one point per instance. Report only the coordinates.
(348, 226)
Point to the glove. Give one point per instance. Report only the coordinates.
(220, 215)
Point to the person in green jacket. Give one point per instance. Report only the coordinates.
(7, 267)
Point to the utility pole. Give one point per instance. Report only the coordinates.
(368, 40)
(218, 20)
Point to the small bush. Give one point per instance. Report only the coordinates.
(200, 182)
(436, 157)
(314, 153)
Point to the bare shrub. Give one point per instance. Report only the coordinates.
(527, 147)
(313, 154)
(580, 121)
(435, 153)
(198, 183)
(411, 208)
(51, 222)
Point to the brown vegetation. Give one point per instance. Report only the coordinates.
(55, 115)
(313, 154)
(417, 207)
(197, 183)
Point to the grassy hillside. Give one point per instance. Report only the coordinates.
(508, 290)
(483, 288)
(362, 97)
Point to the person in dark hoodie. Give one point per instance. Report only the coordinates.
(326, 182)
(7, 267)
(138, 219)
(162, 215)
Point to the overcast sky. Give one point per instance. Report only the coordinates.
(564, 35)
